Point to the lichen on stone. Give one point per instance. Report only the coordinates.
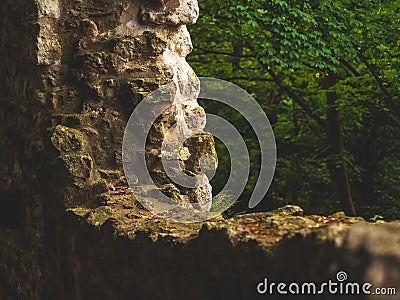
(78, 166)
(67, 139)
(110, 174)
(98, 216)
(171, 191)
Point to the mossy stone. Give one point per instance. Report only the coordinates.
(67, 139)
(171, 191)
(78, 166)
(98, 216)
(110, 174)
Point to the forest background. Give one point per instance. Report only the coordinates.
(327, 75)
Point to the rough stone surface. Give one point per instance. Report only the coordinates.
(72, 73)
(90, 64)
(174, 12)
(70, 228)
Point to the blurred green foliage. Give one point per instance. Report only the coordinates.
(280, 52)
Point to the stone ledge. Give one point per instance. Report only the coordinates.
(227, 258)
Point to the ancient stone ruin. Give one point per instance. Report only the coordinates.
(72, 73)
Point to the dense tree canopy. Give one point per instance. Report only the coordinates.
(327, 75)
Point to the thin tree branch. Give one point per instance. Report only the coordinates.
(388, 97)
(260, 79)
(208, 51)
(297, 99)
(294, 147)
(349, 67)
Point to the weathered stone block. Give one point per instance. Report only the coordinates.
(78, 166)
(67, 139)
(173, 12)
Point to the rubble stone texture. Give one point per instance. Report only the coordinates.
(72, 72)
(93, 62)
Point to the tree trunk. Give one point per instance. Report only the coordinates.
(336, 162)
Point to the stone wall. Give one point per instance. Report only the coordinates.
(77, 71)
(72, 73)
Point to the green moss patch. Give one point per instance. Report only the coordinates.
(67, 139)
(78, 166)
